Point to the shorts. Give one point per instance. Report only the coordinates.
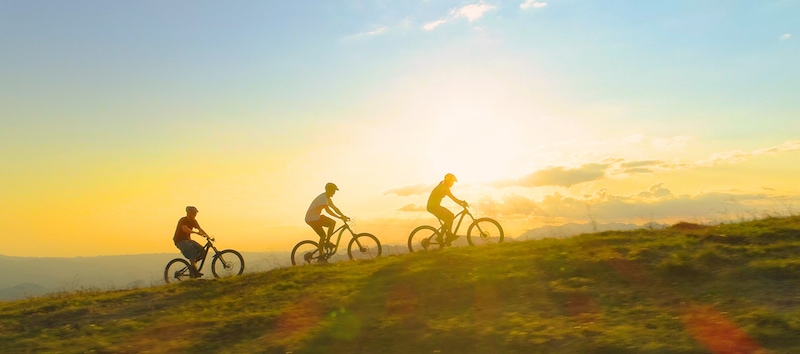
(190, 249)
(319, 223)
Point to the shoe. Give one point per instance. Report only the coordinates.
(322, 261)
(194, 273)
(329, 245)
(450, 239)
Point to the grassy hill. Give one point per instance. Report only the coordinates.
(732, 288)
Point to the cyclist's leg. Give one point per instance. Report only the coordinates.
(192, 251)
(318, 226)
(446, 216)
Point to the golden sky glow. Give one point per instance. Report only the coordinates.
(545, 114)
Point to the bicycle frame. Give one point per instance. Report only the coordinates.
(460, 216)
(209, 246)
(340, 231)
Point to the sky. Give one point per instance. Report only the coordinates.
(114, 116)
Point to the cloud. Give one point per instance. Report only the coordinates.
(532, 4)
(560, 176)
(736, 156)
(374, 33)
(471, 12)
(406, 191)
(656, 191)
(412, 208)
(512, 206)
(786, 36)
(671, 143)
(656, 203)
(642, 166)
(432, 25)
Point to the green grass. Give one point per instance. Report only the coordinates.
(721, 289)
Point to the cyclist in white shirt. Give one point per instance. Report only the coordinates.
(318, 221)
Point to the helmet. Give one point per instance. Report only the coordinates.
(450, 178)
(191, 209)
(331, 187)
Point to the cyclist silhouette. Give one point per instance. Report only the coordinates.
(442, 213)
(317, 221)
(183, 238)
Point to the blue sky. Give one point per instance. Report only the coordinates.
(124, 112)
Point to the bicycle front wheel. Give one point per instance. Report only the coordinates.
(177, 270)
(424, 238)
(227, 263)
(484, 231)
(305, 252)
(364, 246)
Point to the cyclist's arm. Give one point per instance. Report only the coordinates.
(201, 231)
(190, 230)
(458, 201)
(338, 213)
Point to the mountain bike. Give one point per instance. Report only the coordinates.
(224, 263)
(361, 246)
(480, 231)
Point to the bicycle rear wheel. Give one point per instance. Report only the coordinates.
(177, 270)
(484, 231)
(227, 263)
(305, 252)
(424, 238)
(364, 246)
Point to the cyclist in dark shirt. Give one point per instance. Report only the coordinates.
(183, 240)
(442, 213)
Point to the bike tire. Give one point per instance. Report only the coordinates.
(305, 252)
(177, 270)
(230, 263)
(485, 231)
(423, 238)
(370, 247)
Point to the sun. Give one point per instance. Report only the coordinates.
(473, 144)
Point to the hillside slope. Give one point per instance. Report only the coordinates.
(687, 289)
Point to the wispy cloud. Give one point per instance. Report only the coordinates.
(559, 176)
(413, 208)
(376, 32)
(786, 36)
(532, 4)
(471, 12)
(736, 156)
(433, 24)
(656, 202)
(410, 190)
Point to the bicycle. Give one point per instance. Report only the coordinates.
(224, 263)
(481, 231)
(366, 245)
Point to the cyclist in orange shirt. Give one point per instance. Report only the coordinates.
(183, 240)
